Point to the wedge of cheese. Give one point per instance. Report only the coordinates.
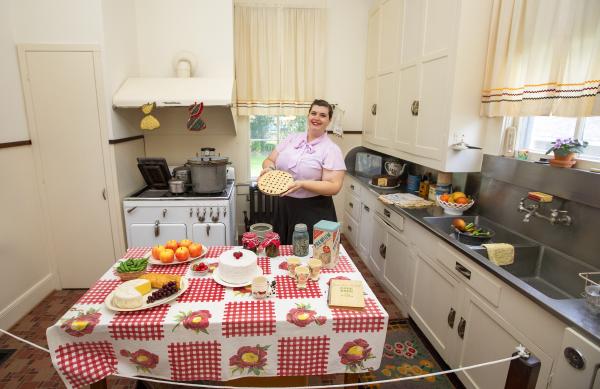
(130, 294)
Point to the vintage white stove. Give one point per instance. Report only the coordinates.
(153, 216)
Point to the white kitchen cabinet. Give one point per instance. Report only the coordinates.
(435, 304)
(210, 234)
(365, 228)
(351, 229)
(483, 335)
(147, 234)
(397, 272)
(587, 375)
(428, 92)
(378, 246)
(373, 40)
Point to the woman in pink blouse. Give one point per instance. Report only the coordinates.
(318, 167)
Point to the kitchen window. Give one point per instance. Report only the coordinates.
(536, 133)
(266, 132)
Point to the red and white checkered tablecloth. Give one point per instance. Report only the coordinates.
(211, 332)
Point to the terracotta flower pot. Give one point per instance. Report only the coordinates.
(564, 157)
(563, 160)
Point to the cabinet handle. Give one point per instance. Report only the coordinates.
(208, 230)
(386, 213)
(350, 228)
(156, 228)
(414, 108)
(352, 186)
(463, 270)
(104, 193)
(351, 205)
(131, 209)
(191, 212)
(366, 208)
(462, 324)
(374, 109)
(164, 211)
(451, 317)
(382, 250)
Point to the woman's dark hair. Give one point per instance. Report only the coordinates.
(322, 103)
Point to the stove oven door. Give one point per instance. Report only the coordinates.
(151, 234)
(209, 234)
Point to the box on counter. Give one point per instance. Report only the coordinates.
(326, 242)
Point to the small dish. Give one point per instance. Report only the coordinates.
(200, 269)
(154, 261)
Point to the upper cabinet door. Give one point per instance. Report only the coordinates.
(406, 128)
(411, 31)
(373, 42)
(387, 94)
(370, 109)
(391, 13)
(439, 26)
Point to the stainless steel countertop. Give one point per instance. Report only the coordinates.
(572, 312)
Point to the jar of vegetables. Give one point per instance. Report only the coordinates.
(271, 244)
(300, 240)
(250, 241)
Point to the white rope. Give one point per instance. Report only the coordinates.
(521, 352)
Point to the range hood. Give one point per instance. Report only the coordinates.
(174, 92)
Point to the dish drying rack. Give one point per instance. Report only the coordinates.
(591, 291)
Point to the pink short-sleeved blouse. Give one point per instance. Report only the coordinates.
(306, 161)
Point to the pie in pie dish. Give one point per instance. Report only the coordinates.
(275, 182)
(237, 266)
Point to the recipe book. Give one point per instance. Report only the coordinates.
(346, 294)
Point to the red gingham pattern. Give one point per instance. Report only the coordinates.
(286, 249)
(286, 289)
(202, 290)
(249, 318)
(86, 363)
(179, 269)
(343, 266)
(98, 292)
(215, 251)
(136, 252)
(302, 355)
(370, 319)
(194, 361)
(265, 264)
(139, 325)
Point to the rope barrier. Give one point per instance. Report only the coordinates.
(521, 352)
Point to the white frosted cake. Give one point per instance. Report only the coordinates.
(237, 266)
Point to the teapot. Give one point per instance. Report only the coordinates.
(394, 168)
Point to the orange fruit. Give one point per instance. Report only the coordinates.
(445, 197)
(462, 200)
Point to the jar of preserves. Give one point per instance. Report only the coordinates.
(250, 241)
(300, 240)
(271, 244)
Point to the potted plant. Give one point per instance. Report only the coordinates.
(565, 151)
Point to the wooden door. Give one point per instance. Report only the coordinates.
(435, 305)
(65, 120)
(387, 94)
(485, 336)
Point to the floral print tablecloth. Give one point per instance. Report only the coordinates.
(216, 333)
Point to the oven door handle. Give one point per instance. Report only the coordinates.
(156, 228)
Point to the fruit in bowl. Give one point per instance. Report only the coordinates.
(455, 203)
(182, 253)
(172, 244)
(167, 256)
(200, 268)
(195, 250)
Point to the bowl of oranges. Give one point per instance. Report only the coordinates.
(454, 203)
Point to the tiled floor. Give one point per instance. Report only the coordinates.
(31, 368)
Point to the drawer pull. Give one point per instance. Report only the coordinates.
(350, 228)
(386, 213)
(414, 108)
(463, 270)
(131, 209)
(352, 186)
(382, 250)
(462, 324)
(351, 205)
(374, 109)
(451, 317)
(366, 208)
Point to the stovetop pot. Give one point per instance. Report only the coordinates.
(209, 172)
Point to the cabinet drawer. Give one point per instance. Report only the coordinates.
(352, 186)
(467, 271)
(352, 206)
(350, 228)
(390, 216)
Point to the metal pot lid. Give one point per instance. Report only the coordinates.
(212, 160)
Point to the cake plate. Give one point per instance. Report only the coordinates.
(217, 277)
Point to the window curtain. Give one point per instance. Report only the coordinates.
(279, 54)
(543, 59)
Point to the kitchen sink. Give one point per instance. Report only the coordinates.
(549, 271)
(443, 224)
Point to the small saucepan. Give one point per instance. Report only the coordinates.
(176, 186)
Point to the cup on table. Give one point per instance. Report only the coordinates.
(292, 263)
(260, 287)
(302, 275)
(315, 266)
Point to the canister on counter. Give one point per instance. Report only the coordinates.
(326, 242)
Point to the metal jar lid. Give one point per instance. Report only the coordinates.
(208, 161)
(301, 227)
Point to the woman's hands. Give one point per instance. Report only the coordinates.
(267, 169)
(294, 186)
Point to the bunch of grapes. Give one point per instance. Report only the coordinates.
(165, 291)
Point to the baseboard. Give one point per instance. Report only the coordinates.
(12, 313)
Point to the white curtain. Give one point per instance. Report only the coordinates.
(543, 59)
(279, 54)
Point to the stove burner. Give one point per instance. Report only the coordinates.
(151, 193)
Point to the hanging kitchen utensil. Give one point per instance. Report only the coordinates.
(149, 122)
(195, 123)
